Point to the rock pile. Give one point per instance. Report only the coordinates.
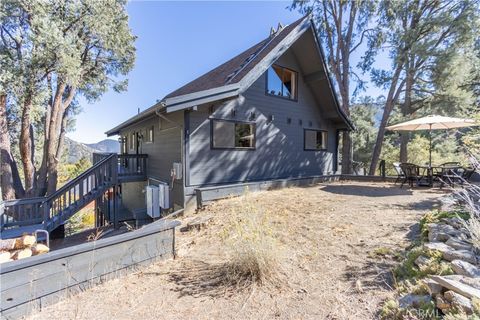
(451, 292)
(20, 248)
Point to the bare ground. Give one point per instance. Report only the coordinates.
(331, 235)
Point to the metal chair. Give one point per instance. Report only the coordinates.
(412, 175)
(467, 174)
(398, 170)
(451, 172)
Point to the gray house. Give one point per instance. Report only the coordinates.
(269, 113)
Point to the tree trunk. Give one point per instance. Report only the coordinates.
(346, 137)
(406, 110)
(347, 153)
(392, 97)
(25, 146)
(10, 181)
(57, 128)
(42, 172)
(404, 138)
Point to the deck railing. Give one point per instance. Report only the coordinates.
(21, 212)
(130, 166)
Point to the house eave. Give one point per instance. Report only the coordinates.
(178, 103)
(201, 97)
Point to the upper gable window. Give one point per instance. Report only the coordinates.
(149, 135)
(282, 82)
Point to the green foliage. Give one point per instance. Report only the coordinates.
(82, 220)
(363, 117)
(69, 171)
(391, 310)
(408, 270)
(51, 51)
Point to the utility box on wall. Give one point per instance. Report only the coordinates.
(153, 201)
(164, 196)
(177, 170)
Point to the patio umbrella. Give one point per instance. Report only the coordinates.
(432, 123)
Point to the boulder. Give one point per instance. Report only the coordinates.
(421, 261)
(450, 253)
(458, 244)
(441, 232)
(459, 302)
(469, 281)
(438, 246)
(458, 287)
(433, 287)
(464, 255)
(465, 269)
(413, 300)
(455, 222)
(442, 303)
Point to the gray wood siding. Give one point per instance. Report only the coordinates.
(279, 149)
(164, 151)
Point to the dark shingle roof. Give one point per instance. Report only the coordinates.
(235, 69)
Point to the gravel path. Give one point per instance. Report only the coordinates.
(339, 241)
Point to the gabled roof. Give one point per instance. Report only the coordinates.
(235, 76)
(235, 69)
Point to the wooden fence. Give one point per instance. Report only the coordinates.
(30, 284)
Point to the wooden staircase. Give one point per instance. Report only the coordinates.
(47, 213)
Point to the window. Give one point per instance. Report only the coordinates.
(315, 140)
(282, 82)
(232, 135)
(124, 144)
(149, 135)
(132, 141)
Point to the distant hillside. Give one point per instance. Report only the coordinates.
(75, 151)
(107, 145)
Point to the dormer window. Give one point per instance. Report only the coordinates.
(282, 82)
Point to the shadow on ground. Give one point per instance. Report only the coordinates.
(202, 279)
(367, 191)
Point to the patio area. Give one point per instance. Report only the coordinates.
(338, 246)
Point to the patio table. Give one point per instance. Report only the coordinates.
(430, 172)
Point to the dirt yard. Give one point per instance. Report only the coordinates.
(338, 246)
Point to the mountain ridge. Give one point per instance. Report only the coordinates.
(74, 150)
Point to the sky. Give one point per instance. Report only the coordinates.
(177, 41)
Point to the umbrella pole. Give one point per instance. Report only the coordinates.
(430, 152)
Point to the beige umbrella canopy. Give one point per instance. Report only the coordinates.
(432, 123)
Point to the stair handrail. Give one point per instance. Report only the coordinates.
(79, 177)
(46, 204)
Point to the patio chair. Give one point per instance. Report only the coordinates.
(412, 175)
(398, 170)
(451, 172)
(467, 174)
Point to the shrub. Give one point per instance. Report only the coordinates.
(408, 270)
(254, 254)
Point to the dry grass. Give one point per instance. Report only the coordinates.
(469, 195)
(318, 245)
(253, 252)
